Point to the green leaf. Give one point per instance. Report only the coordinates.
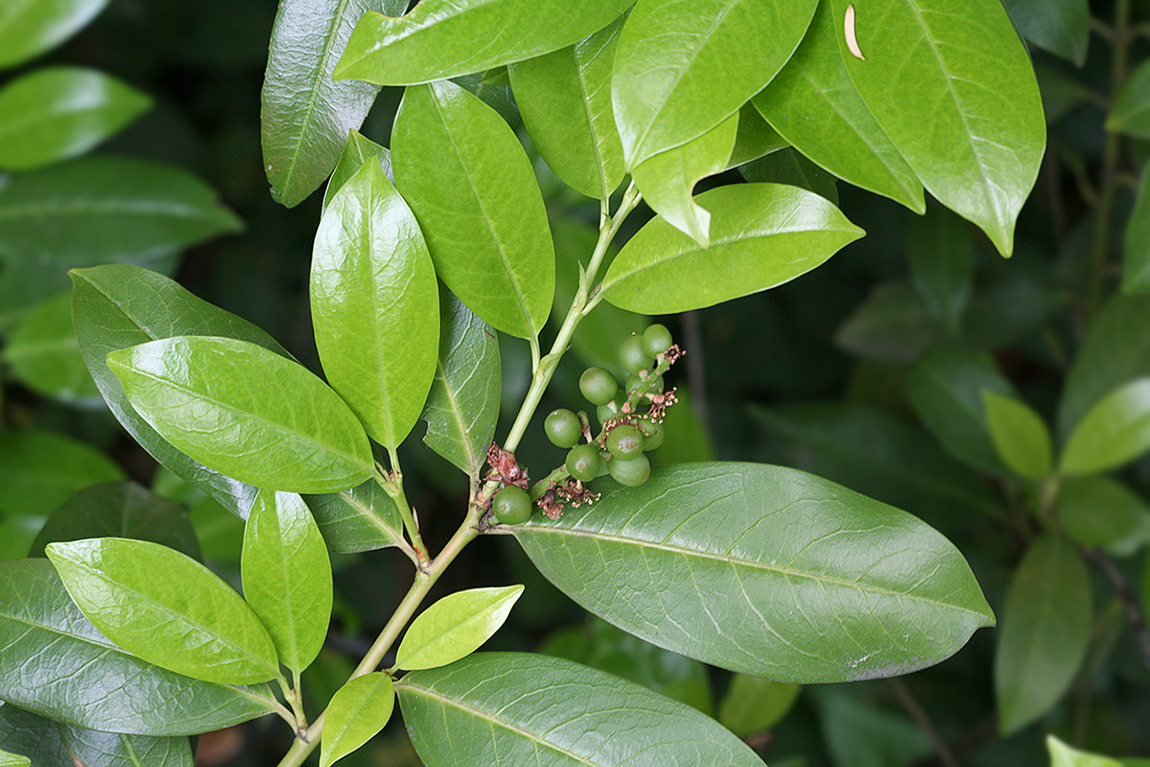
(356, 713)
(305, 115)
(667, 179)
(433, 41)
(755, 705)
(755, 138)
(52, 114)
(813, 104)
(565, 100)
(762, 235)
(455, 626)
(189, 621)
(1113, 432)
(1136, 246)
(40, 470)
(861, 734)
(1019, 434)
(474, 193)
(518, 709)
(1059, 26)
(97, 210)
(28, 29)
(962, 71)
(245, 412)
(358, 150)
(59, 666)
(1131, 111)
(361, 518)
(1062, 755)
(117, 307)
(44, 355)
(463, 406)
(14, 760)
(684, 66)
(1046, 625)
(893, 324)
(122, 510)
(793, 556)
(17, 535)
(287, 576)
(375, 305)
(940, 251)
(791, 168)
(1099, 512)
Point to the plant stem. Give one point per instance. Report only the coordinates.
(394, 488)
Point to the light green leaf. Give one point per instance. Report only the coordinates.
(1062, 755)
(962, 71)
(463, 406)
(1020, 435)
(375, 305)
(515, 708)
(189, 621)
(762, 235)
(455, 626)
(1131, 111)
(755, 138)
(358, 150)
(793, 169)
(940, 252)
(361, 518)
(474, 193)
(755, 705)
(684, 66)
(813, 104)
(788, 575)
(434, 40)
(1045, 632)
(45, 356)
(52, 114)
(1059, 26)
(565, 100)
(356, 713)
(14, 760)
(1097, 511)
(246, 412)
(40, 470)
(667, 179)
(1136, 246)
(31, 27)
(1113, 432)
(287, 576)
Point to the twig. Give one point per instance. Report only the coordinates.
(1130, 607)
(922, 719)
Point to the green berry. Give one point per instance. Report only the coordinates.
(606, 412)
(653, 434)
(512, 505)
(625, 441)
(563, 428)
(598, 386)
(630, 471)
(632, 356)
(657, 339)
(634, 382)
(583, 462)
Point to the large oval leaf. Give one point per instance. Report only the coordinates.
(59, 666)
(31, 27)
(762, 235)
(50, 743)
(375, 305)
(435, 40)
(246, 412)
(515, 708)
(764, 570)
(474, 193)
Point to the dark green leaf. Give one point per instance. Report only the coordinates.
(455, 626)
(358, 150)
(1019, 434)
(40, 470)
(1060, 26)
(894, 324)
(791, 168)
(1131, 111)
(1101, 512)
(45, 356)
(246, 412)
(764, 570)
(29, 29)
(518, 709)
(862, 735)
(755, 705)
(357, 712)
(361, 518)
(1136, 248)
(940, 251)
(17, 535)
(755, 138)
(59, 666)
(762, 235)
(1112, 433)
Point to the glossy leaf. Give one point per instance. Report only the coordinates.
(97, 210)
(356, 713)
(1059, 26)
(755, 138)
(940, 252)
(474, 193)
(245, 412)
(753, 567)
(755, 705)
(189, 621)
(463, 406)
(1131, 111)
(8, 759)
(40, 470)
(684, 66)
(517, 708)
(305, 115)
(52, 114)
(44, 355)
(1019, 434)
(791, 168)
(59, 666)
(455, 626)
(29, 28)
(1098, 511)
(1112, 433)
(1136, 246)
(762, 235)
(565, 100)
(375, 305)
(813, 104)
(964, 72)
(1045, 632)
(668, 178)
(361, 518)
(432, 42)
(358, 150)
(287, 576)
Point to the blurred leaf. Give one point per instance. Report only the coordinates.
(1131, 111)
(1101, 512)
(220, 532)
(45, 355)
(1136, 247)
(685, 437)
(455, 626)
(1114, 432)
(17, 535)
(40, 470)
(861, 735)
(940, 251)
(1019, 434)
(754, 705)
(1059, 26)
(893, 324)
(356, 713)
(358, 150)
(361, 518)
(1062, 755)
(789, 167)
(29, 29)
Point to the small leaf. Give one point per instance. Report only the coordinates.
(356, 713)
(1059, 26)
(762, 235)
(287, 576)
(14, 760)
(940, 251)
(361, 518)
(40, 470)
(358, 150)
(1062, 755)
(29, 29)
(1045, 632)
(455, 626)
(793, 169)
(44, 355)
(246, 412)
(755, 138)
(1019, 434)
(1131, 111)
(52, 114)
(754, 705)
(1136, 246)
(1113, 432)
(1097, 511)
